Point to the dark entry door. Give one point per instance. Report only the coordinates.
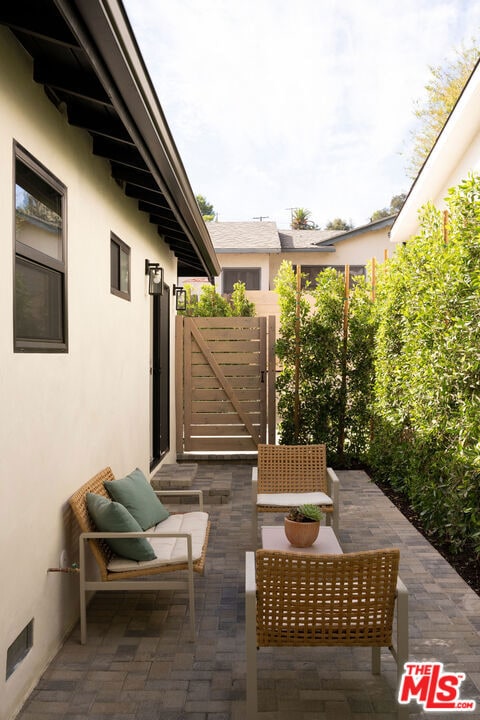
(160, 376)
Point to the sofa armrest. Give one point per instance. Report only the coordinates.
(254, 484)
(96, 535)
(333, 485)
(402, 626)
(185, 493)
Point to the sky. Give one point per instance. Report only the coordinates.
(280, 104)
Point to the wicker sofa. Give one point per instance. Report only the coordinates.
(179, 542)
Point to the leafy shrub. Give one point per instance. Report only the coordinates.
(426, 439)
(328, 400)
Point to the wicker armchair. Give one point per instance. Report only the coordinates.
(346, 600)
(136, 578)
(289, 475)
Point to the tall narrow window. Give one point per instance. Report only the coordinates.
(119, 267)
(40, 318)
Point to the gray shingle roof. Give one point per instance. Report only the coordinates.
(244, 236)
(301, 239)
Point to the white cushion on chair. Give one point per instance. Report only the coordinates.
(293, 499)
(169, 549)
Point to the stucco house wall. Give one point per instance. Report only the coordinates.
(245, 260)
(64, 416)
(351, 249)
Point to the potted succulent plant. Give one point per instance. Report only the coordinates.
(302, 525)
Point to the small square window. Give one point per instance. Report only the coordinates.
(250, 277)
(119, 268)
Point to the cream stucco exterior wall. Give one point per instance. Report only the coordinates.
(244, 260)
(65, 416)
(356, 250)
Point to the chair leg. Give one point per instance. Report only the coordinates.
(254, 507)
(402, 641)
(83, 599)
(335, 522)
(251, 637)
(254, 529)
(191, 603)
(376, 660)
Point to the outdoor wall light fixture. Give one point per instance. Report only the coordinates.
(180, 298)
(155, 278)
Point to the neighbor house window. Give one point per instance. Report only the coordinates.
(311, 272)
(119, 267)
(40, 318)
(250, 277)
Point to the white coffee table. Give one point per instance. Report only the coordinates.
(273, 538)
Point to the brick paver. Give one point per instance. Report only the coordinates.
(139, 664)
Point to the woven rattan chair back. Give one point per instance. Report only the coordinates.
(326, 599)
(292, 468)
(78, 503)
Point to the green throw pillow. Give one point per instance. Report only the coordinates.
(111, 516)
(138, 496)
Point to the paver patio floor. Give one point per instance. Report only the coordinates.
(138, 663)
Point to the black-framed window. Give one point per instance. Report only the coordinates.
(119, 267)
(311, 271)
(40, 303)
(250, 277)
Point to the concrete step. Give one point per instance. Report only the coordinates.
(183, 476)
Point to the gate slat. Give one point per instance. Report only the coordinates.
(224, 394)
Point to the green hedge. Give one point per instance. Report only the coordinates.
(426, 441)
(402, 392)
(335, 378)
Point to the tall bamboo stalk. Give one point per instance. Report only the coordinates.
(343, 389)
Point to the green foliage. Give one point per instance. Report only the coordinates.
(305, 513)
(441, 93)
(426, 439)
(239, 303)
(206, 208)
(400, 391)
(212, 304)
(334, 373)
(396, 204)
(301, 220)
(338, 224)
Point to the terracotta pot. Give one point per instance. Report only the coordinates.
(301, 534)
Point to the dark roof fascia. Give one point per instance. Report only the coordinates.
(86, 56)
(376, 225)
(113, 51)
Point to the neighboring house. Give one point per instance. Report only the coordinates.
(92, 187)
(455, 154)
(252, 252)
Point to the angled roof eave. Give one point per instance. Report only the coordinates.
(451, 143)
(361, 230)
(108, 92)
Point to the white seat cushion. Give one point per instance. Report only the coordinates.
(169, 549)
(293, 499)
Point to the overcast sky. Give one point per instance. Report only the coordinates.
(275, 104)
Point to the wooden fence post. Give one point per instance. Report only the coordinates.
(296, 410)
